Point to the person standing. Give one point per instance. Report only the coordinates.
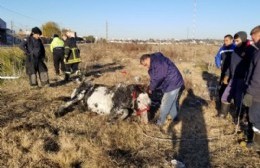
(164, 76)
(252, 96)
(236, 73)
(222, 61)
(35, 54)
(57, 48)
(72, 55)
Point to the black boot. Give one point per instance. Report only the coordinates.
(224, 109)
(67, 77)
(250, 133)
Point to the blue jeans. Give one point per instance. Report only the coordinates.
(169, 105)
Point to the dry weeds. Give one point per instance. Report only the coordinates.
(31, 136)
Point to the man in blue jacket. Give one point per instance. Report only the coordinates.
(222, 61)
(252, 96)
(164, 76)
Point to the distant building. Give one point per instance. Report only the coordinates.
(7, 36)
(2, 32)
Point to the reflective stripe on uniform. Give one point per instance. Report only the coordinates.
(77, 60)
(74, 58)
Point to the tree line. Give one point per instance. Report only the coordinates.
(51, 28)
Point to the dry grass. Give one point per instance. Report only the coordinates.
(31, 136)
(11, 61)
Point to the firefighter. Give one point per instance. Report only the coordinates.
(35, 56)
(57, 48)
(72, 55)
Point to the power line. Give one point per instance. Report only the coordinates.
(194, 18)
(106, 30)
(18, 13)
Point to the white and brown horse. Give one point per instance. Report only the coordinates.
(118, 101)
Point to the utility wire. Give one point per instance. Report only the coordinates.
(18, 13)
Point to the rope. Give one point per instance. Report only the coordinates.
(9, 77)
(180, 139)
(177, 139)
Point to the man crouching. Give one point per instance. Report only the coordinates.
(164, 76)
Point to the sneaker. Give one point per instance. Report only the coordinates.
(78, 81)
(60, 77)
(34, 87)
(46, 85)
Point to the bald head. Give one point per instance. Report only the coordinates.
(255, 34)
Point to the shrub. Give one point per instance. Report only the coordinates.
(11, 61)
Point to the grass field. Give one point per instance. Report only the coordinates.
(31, 135)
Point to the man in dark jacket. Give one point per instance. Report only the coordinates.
(252, 96)
(164, 76)
(35, 55)
(237, 72)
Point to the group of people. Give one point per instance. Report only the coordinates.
(164, 75)
(237, 59)
(66, 56)
(240, 81)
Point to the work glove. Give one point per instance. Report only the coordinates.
(65, 60)
(248, 100)
(225, 80)
(148, 90)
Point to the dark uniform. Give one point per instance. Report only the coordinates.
(34, 63)
(72, 57)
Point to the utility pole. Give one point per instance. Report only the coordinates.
(188, 33)
(106, 31)
(12, 32)
(194, 28)
(194, 19)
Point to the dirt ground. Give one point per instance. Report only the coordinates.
(31, 135)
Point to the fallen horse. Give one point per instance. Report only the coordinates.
(119, 101)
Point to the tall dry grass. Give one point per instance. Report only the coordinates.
(11, 61)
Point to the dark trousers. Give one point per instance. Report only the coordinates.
(221, 90)
(58, 60)
(71, 68)
(34, 67)
(254, 114)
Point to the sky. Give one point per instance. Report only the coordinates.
(136, 19)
